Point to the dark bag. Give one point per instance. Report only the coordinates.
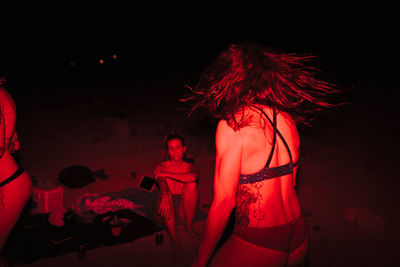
(76, 176)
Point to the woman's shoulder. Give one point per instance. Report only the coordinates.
(227, 136)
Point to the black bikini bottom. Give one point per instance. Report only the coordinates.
(16, 174)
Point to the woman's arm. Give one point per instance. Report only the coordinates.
(296, 168)
(2, 132)
(294, 175)
(226, 178)
(184, 177)
(165, 206)
(190, 176)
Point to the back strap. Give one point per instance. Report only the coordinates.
(276, 131)
(274, 140)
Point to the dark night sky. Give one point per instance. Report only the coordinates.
(354, 41)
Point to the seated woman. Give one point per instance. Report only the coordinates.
(178, 183)
(15, 183)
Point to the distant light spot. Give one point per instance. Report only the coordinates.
(101, 61)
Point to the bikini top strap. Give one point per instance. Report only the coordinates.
(276, 131)
(274, 140)
(286, 145)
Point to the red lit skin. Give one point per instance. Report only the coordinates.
(246, 151)
(14, 195)
(181, 170)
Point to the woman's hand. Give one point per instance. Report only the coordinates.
(160, 172)
(165, 207)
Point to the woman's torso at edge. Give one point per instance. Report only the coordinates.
(8, 166)
(273, 201)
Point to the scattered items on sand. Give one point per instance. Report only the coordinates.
(56, 217)
(90, 205)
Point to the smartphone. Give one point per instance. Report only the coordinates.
(147, 183)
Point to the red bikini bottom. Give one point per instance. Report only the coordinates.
(285, 237)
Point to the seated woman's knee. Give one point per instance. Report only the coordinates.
(190, 187)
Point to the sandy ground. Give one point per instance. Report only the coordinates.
(347, 183)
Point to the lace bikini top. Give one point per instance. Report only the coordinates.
(267, 172)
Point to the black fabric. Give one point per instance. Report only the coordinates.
(34, 237)
(76, 176)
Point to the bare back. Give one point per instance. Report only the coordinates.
(273, 201)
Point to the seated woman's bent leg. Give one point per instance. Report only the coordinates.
(190, 198)
(169, 222)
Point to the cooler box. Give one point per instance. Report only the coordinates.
(48, 200)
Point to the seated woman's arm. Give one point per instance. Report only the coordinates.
(190, 176)
(165, 206)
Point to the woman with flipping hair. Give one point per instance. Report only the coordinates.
(15, 183)
(259, 95)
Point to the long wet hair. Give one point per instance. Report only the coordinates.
(248, 74)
